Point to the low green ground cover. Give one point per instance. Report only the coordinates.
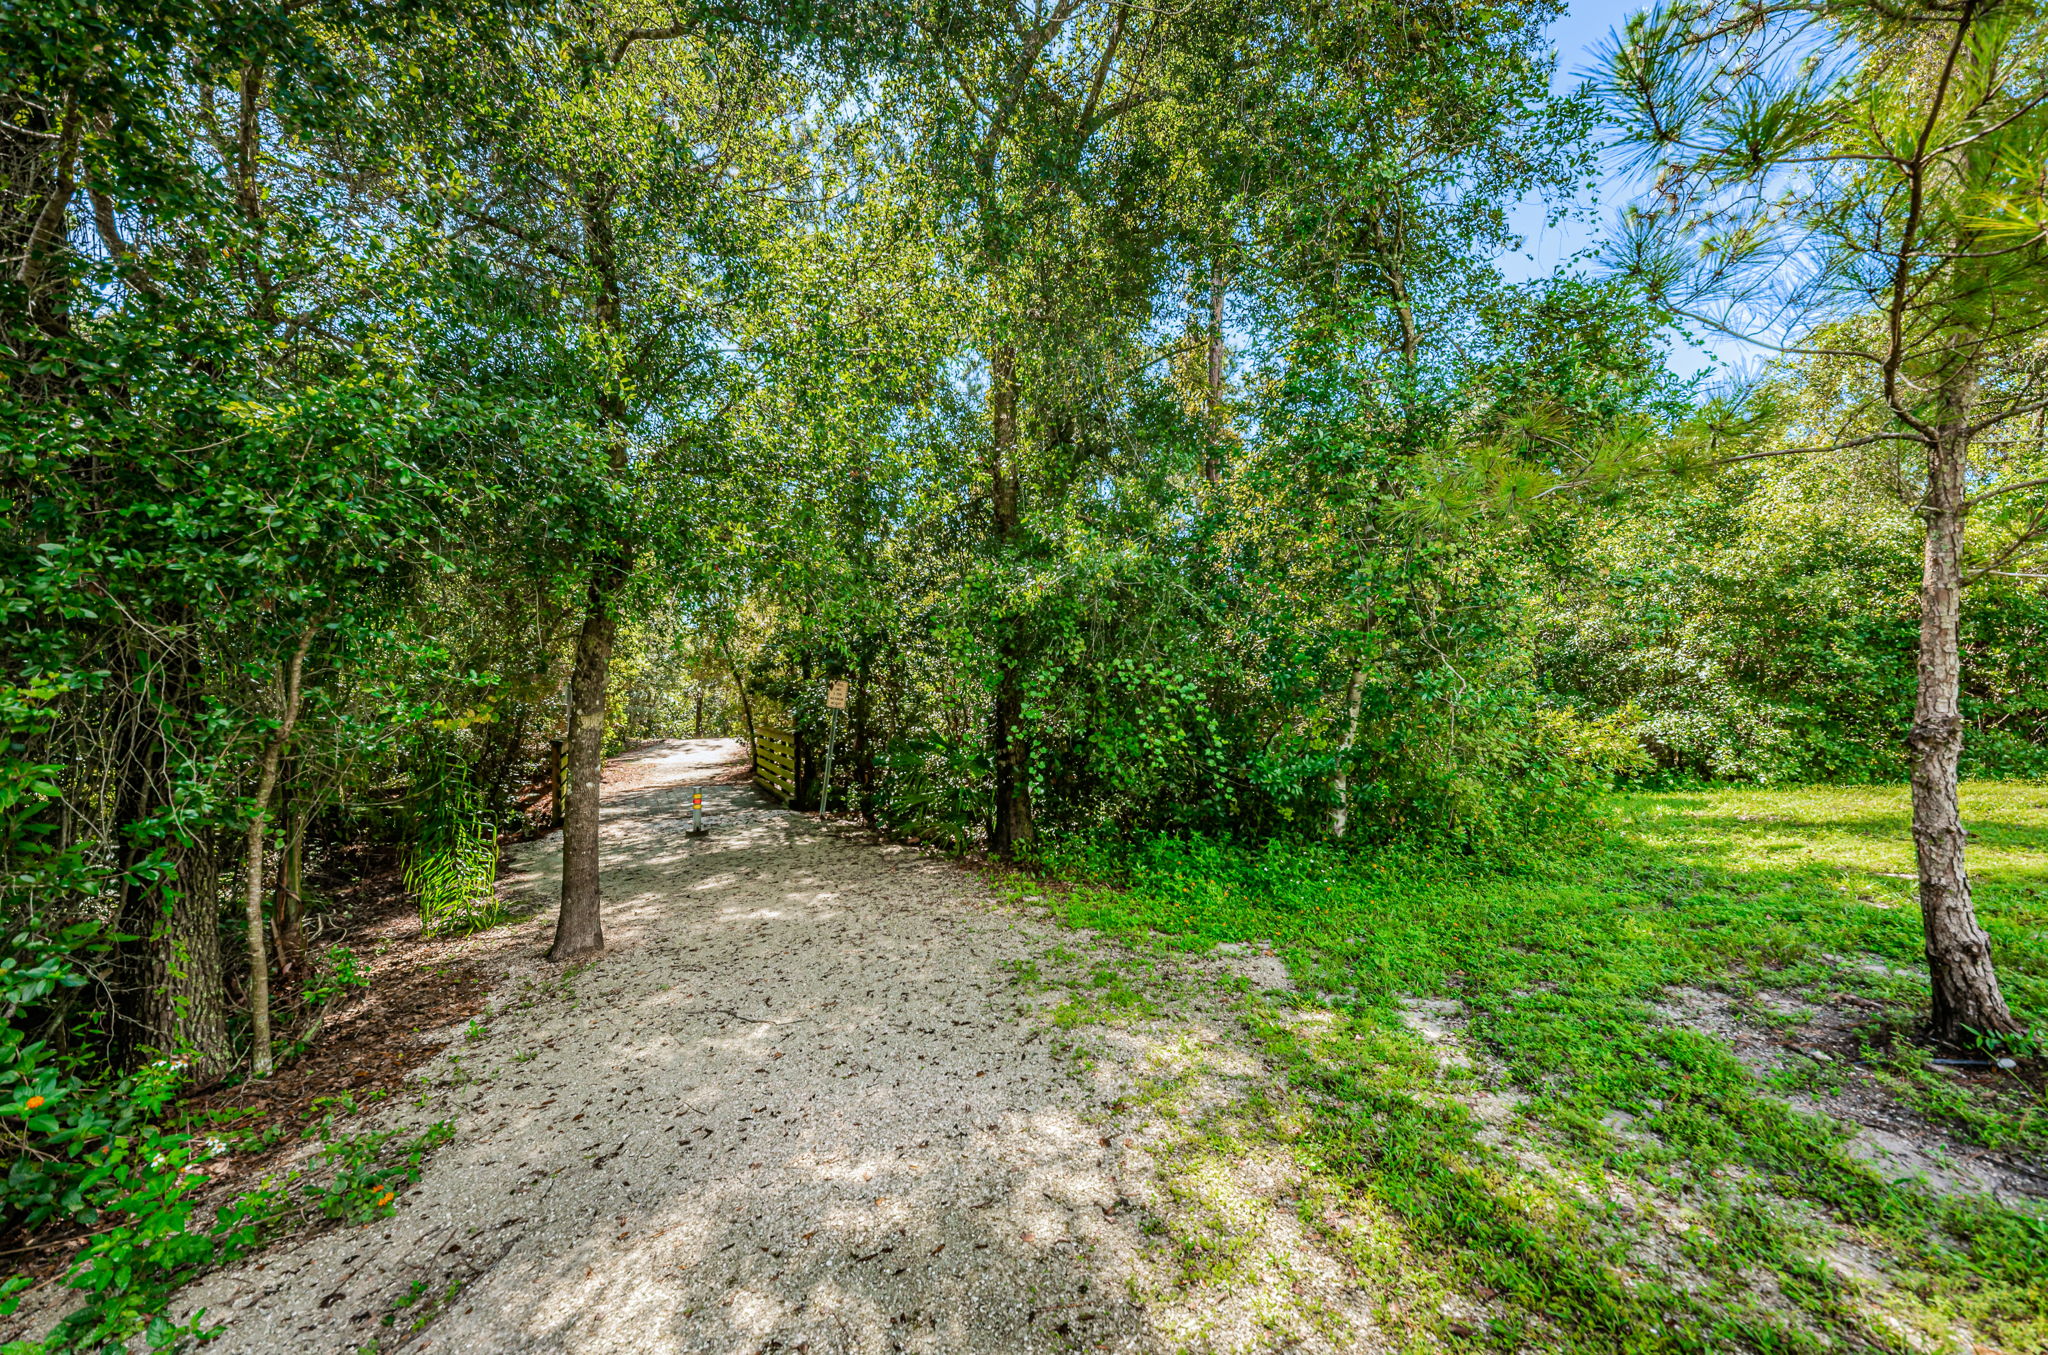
(1652, 1192)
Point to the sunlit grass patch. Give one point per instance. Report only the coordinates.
(1650, 1190)
(1853, 846)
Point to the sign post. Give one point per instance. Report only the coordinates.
(696, 813)
(835, 701)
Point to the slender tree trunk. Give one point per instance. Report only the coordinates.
(1394, 245)
(1212, 455)
(579, 930)
(283, 912)
(289, 912)
(1011, 828)
(259, 959)
(863, 746)
(1966, 992)
(1340, 811)
(266, 783)
(801, 744)
(746, 705)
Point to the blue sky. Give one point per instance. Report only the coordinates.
(1577, 34)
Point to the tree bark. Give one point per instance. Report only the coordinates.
(1967, 1000)
(1011, 827)
(169, 1000)
(579, 929)
(266, 783)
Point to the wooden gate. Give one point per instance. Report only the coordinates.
(774, 750)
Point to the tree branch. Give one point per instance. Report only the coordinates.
(50, 219)
(1814, 451)
(1997, 490)
(633, 35)
(524, 237)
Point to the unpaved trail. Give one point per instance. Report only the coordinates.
(831, 1096)
(798, 1105)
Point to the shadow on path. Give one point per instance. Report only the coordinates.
(795, 1107)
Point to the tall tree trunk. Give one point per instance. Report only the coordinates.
(169, 1000)
(266, 783)
(1966, 993)
(579, 930)
(1011, 826)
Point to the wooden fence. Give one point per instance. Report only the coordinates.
(774, 751)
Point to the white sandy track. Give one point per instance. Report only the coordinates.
(796, 1106)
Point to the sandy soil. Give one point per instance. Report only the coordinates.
(796, 1106)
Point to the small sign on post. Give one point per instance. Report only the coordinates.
(835, 699)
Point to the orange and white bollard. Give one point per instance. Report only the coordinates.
(696, 813)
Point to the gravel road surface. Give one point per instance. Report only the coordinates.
(798, 1105)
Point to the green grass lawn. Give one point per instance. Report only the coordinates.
(1555, 963)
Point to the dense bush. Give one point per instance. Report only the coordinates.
(1765, 627)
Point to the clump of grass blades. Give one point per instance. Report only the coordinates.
(451, 863)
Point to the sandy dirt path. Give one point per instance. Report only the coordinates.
(826, 1095)
(796, 1106)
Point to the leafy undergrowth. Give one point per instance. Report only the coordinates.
(159, 1237)
(122, 1191)
(1602, 1175)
